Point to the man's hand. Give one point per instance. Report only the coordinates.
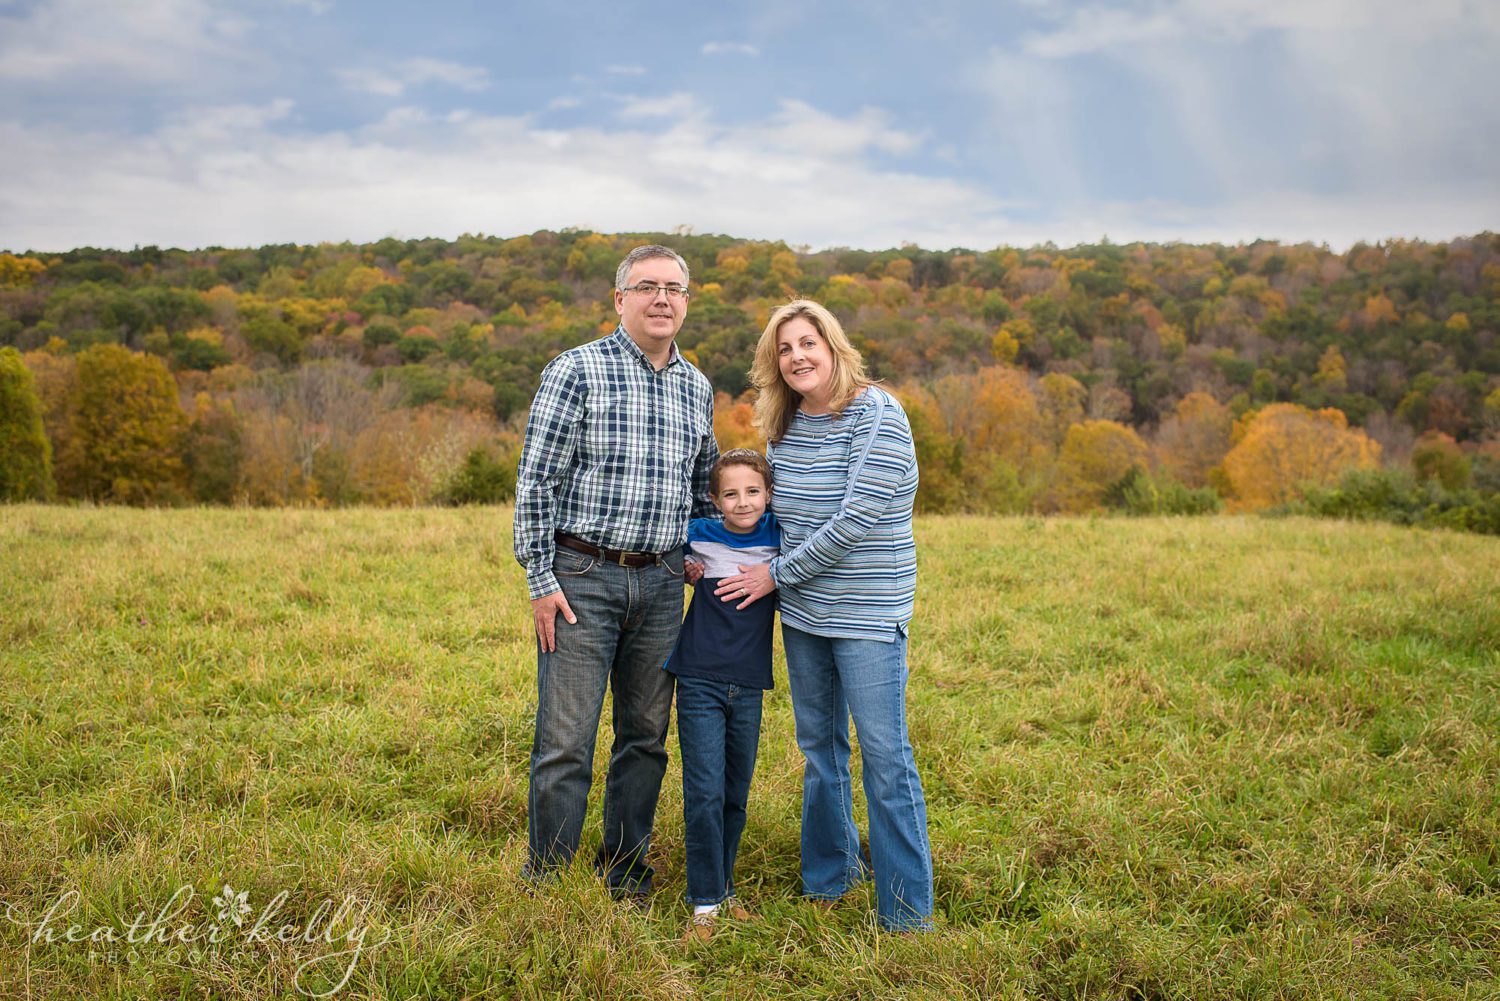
(751, 584)
(692, 571)
(544, 615)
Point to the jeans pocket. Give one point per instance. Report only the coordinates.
(570, 564)
(664, 561)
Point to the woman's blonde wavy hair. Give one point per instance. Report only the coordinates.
(776, 402)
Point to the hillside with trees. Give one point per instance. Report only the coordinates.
(1139, 377)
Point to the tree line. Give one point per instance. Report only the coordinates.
(1140, 377)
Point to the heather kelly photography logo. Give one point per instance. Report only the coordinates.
(189, 929)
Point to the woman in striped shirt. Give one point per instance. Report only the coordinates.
(846, 477)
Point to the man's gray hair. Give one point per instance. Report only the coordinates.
(622, 273)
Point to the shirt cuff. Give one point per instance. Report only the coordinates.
(542, 583)
(773, 567)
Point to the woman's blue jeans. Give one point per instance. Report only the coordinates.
(830, 680)
(718, 726)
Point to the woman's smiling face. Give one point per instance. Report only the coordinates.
(806, 362)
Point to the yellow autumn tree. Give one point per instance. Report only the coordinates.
(1332, 371)
(1094, 456)
(126, 444)
(1282, 446)
(1062, 399)
(1004, 346)
(19, 271)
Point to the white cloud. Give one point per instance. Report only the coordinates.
(1092, 29)
(800, 126)
(412, 73)
(250, 174)
(621, 69)
(729, 48)
(240, 176)
(141, 41)
(669, 106)
(371, 81)
(1101, 27)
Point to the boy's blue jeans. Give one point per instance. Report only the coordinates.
(830, 680)
(718, 727)
(628, 620)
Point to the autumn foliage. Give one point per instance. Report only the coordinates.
(1283, 446)
(127, 430)
(1140, 377)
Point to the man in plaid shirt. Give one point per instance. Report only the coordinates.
(618, 448)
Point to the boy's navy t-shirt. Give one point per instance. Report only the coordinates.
(719, 641)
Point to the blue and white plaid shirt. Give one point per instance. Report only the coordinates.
(616, 453)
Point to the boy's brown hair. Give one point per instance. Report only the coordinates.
(739, 457)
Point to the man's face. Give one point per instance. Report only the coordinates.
(652, 321)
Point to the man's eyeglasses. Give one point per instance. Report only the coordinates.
(648, 290)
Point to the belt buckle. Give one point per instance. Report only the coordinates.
(620, 555)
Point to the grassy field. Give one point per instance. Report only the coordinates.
(1204, 758)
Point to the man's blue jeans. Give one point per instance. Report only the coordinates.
(627, 624)
(718, 727)
(830, 679)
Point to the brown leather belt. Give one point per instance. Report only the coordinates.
(623, 558)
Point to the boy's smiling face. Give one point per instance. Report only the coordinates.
(742, 497)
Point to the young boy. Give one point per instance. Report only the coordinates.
(723, 666)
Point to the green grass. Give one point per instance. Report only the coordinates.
(1203, 758)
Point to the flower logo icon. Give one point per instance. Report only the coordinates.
(232, 906)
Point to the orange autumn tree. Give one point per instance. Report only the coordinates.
(1000, 432)
(1195, 438)
(1282, 445)
(995, 412)
(733, 422)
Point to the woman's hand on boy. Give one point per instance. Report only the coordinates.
(751, 585)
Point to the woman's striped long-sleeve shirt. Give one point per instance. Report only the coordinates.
(847, 569)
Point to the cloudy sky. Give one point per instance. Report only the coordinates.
(948, 123)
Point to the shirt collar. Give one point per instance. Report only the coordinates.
(625, 342)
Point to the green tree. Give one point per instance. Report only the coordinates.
(128, 428)
(25, 454)
(1436, 456)
(213, 450)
